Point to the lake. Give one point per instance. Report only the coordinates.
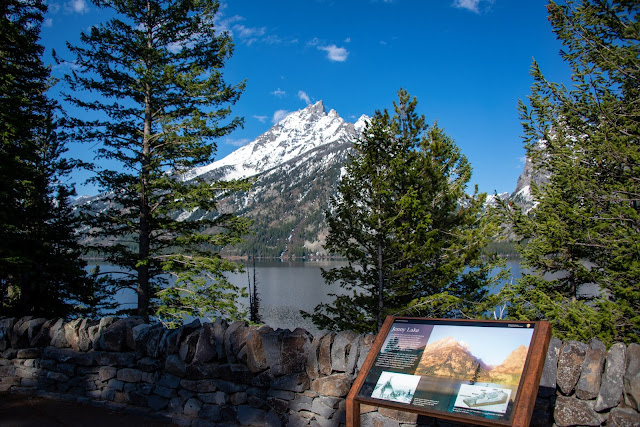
(287, 287)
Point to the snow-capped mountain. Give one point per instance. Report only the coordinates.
(522, 196)
(295, 135)
(296, 165)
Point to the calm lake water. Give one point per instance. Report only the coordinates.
(287, 287)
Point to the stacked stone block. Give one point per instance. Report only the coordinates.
(219, 374)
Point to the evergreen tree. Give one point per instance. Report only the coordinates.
(412, 237)
(152, 81)
(41, 272)
(585, 227)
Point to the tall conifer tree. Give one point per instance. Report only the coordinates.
(41, 272)
(585, 230)
(411, 235)
(152, 81)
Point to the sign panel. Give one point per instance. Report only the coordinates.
(450, 368)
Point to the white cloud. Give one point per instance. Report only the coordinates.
(303, 96)
(347, 40)
(279, 93)
(471, 5)
(335, 53)
(77, 6)
(261, 119)
(249, 35)
(279, 115)
(48, 22)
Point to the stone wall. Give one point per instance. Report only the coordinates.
(221, 374)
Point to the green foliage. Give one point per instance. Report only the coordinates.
(403, 221)
(152, 80)
(41, 272)
(585, 227)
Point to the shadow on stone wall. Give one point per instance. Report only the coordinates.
(221, 374)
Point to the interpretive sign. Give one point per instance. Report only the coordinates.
(481, 372)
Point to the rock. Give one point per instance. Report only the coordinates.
(115, 359)
(632, 377)
(588, 385)
(313, 369)
(211, 412)
(43, 338)
(256, 358)
(168, 343)
(200, 386)
(547, 386)
(57, 334)
(250, 416)
(175, 366)
(294, 382)
(192, 407)
(64, 355)
(571, 412)
(401, 416)
(205, 350)
(324, 354)
(612, 380)
(273, 419)
(572, 355)
(148, 364)
(85, 342)
(623, 417)
(219, 330)
(147, 343)
(186, 330)
(6, 328)
(129, 375)
(107, 372)
(29, 353)
(323, 407)
(18, 336)
(157, 403)
(138, 330)
(71, 333)
(340, 349)
(235, 339)
(286, 351)
(117, 335)
(336, 385)
(188, 346)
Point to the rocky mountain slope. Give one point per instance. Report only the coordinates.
(296, 166)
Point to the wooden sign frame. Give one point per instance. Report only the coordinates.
(404, 370)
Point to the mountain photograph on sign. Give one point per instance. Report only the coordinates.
(476, 355)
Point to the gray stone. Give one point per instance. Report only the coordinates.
(273, 419)
(281, 394)
(186, 330)
(188, 346)
(71, 333)
(218, 398)
(319, 421)
(340, 349)
(550, 371)
(176, 405)
(336, 385)
(57, 376)
(623, 417)
(365, 347)
(375, 419)
(235, 339)
(571, 412)
(572, 355)
(115, 359)
(229, 387)
(43, 337)
(64, 355)
(116, 384)
(57, 334)
(147, 341)
(107, 372)
(324, 353)
(149, 364)
(250, 416)
(632, 377)
(175, 366)
(169, 380)
(239, 398)
(108, 394)
(29, 353)
(294, 382)
(219, 330)
(211, 412)
(118, 336)
(613, 378)
(588, 385)
(85, 343)
(129, 375)
(301, 403)
(286, 351)
(192, 407)
(200, 386)
(256, 358)
(157, 403)
(168, 343)
(321, 408)
(164, 391)
(205, 350)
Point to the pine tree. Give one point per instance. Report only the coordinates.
(41, 272)
(585, 227)
(151, 79)
(412, 237)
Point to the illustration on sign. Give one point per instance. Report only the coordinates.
(458, 368)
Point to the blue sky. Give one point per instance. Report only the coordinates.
(466, 61)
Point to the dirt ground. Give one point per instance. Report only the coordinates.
(24, 411)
